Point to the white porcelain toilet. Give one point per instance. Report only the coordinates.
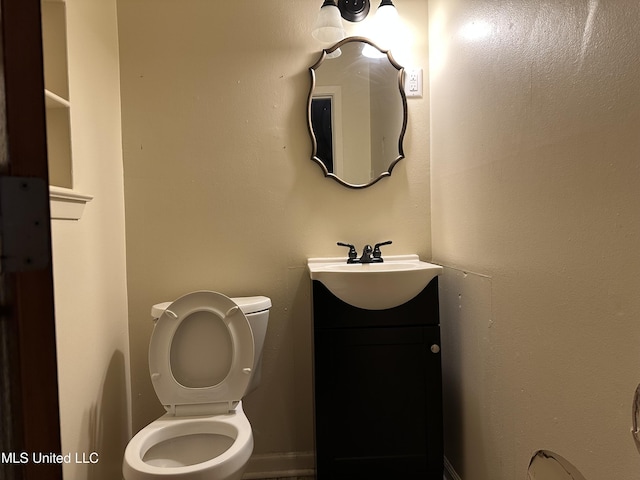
(204, 356)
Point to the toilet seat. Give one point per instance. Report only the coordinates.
(197, 369)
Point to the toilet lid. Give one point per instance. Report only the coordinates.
(201, 354)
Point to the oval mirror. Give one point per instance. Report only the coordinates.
(357, 112)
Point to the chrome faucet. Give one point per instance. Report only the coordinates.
(369, 254)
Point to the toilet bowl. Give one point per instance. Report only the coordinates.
(204, 356)
(202, 448)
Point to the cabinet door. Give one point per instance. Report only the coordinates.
(378, 403)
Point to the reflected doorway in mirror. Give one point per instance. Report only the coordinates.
(326, 118)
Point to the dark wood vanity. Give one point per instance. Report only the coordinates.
(378, 388)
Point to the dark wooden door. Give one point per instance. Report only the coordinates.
(29, 412)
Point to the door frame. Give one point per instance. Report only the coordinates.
(30, 417)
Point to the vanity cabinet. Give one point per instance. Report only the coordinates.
(378, 388)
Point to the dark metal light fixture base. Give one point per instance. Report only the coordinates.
(354, 10)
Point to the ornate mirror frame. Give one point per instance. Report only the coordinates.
(326, 53)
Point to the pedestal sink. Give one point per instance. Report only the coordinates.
(374, 286)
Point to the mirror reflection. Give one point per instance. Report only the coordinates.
(357, 112)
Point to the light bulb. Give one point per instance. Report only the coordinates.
(328, 25)
(387, 23)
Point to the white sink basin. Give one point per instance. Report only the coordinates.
(374, 286)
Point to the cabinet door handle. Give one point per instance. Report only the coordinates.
(435, 348)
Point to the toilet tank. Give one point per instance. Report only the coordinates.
(256, 309)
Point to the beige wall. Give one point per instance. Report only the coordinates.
(89, 256)
(535, 147)
(221, 193)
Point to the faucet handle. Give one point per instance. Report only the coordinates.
(352, 250)
(376, 249)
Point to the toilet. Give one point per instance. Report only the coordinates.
(204, 357)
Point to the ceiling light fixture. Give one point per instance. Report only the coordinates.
(328, 26)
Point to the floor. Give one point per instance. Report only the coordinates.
(311, 477)
(306, 477)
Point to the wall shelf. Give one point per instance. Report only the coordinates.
(67, 204)
(55, 101)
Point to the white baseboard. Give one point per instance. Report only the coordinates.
(277, 465)
(449, 471)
